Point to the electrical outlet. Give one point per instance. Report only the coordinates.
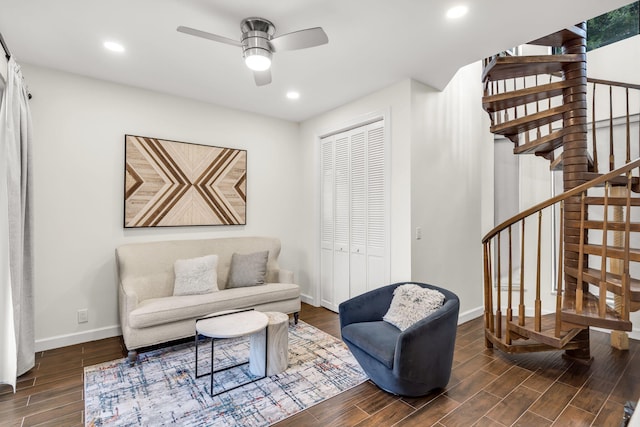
(83, 315)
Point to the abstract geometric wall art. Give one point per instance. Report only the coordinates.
(170, 183)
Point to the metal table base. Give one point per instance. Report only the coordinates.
(266, 352)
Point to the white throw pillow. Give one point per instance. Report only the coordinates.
(412, 303)
(196, 276)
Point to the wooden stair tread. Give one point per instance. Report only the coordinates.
(590, 315)
(599, 225)
(535, 120)
(560, 37)
(508, 67)
(613, 201)
(547, 333)
(614, 281)
(558, 163)
(618, 181)
(612, 251)
(526, 339)
(543, 145)
(528, 95)
(518, 347)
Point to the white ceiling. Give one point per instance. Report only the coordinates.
(372, 44)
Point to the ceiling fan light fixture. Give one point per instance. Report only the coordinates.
(258, 43)
(257, 59)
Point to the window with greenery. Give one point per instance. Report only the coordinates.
(614, 26)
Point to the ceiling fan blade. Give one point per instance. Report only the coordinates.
(262, 78)
(205, 35)
(300, 39)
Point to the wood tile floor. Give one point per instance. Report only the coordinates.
(487, 388)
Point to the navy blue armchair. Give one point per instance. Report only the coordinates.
(407, 363)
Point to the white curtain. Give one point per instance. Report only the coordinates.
(17, 353)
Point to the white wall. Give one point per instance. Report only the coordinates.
(3, 68)
(79, 128)
(441, 181)
(394, 102)
(618, 62)
(451, 182)
(441, 160)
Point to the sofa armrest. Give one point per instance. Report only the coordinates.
(128, 301)
(285, 276)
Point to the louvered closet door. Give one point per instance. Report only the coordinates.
(354, 231)
(327, 223)
(341, 219)
(377, 199)
(358, 230)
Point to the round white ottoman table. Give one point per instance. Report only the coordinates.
(232, 324)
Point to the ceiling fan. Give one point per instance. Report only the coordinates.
(258, 43)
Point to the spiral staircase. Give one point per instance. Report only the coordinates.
(541, 103)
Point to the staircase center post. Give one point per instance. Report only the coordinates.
(574, 155)
(575, 160)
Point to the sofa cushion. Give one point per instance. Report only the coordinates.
(247, 269)
(158, 311)
(196, 276)
(375, 338)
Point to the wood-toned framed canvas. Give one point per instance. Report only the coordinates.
(171, 183)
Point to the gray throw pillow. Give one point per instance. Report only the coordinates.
(247, 269)
(196, 276)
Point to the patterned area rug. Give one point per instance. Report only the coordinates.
(162, 389)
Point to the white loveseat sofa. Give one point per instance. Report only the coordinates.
(149, 312)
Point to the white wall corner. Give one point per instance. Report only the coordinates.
(308, 299)
(468, 315)
(3, 70)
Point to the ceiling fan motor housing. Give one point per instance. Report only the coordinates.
(256, 33)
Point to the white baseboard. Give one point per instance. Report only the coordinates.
(634, 334)
(470, 315)
(308, 299)
(77, 338)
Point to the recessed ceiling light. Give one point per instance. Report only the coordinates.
(292, 94)
(113, 46)
(457, 12)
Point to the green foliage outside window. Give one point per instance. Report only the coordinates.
(611, 27)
